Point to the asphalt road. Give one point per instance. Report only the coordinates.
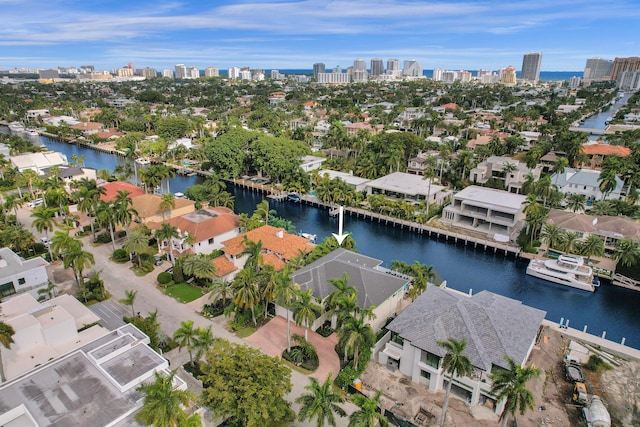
(119, 278)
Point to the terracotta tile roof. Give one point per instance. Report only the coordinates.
(112, 189)
(148, 205)
(615, 226)
(451, 105)
(87, 126)
(273, 239)
(274, 261)
(203, 224)
(223, 266)
(605, 150)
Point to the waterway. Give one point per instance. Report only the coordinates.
(598, 121)
(610, 308)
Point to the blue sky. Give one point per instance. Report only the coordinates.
(295, 34)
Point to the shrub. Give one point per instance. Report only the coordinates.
(103, 238)
(213, 310)
(121, 234)
(178, 275)
(120, 255)
(164, 278)
(325, 330)
(345, 377)
(596, 363)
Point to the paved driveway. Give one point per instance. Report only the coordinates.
(272, 340)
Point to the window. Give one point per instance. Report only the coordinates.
(21, 281)
(426, 375)
(397, 339)
(7, 289)
(211, 241)
(430, 359)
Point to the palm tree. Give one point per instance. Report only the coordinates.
(77, 259)
(124, 211)
(511, 384)
(166, 233)
(558, 168)
(306, 310)
(455, 363)
(61, 242)
(167, 203)
(592, 246)
(163, 402)
(286, 293)
(202, 341)
(129, 299)
(106, 216)
(357, 335)
(245, 291)
(570, 241)
(254, 250)
(367, 415)
(320, 403)
(43, 221)
(627, 252)
(136, 242)
(220, 289)
(576, 202)
(185, 336)
(198, 266)
(6, 339)
(551, 235)
(47, 293)
(13, 201)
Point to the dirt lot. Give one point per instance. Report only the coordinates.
(553, 406)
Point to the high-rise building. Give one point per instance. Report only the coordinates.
(233, 73)
(193, 73)
(318, 68)
(437, 74)
(393, 67)
(631, 63)
(508, 76)
(334, 78)
(167, 74)
(597, 69)
(181, 71)
(360, 65)
(359, 71)
(629, 80)
(377, 67)
(211, 72)
(531, 66)
(147, 72)
(411, 68)
(574, 82)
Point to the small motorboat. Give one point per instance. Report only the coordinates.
(310, 237)
(293, 197)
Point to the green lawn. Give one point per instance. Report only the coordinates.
(184, 292)
(245, 332)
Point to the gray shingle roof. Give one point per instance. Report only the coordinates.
(493, 325)
(374, 287)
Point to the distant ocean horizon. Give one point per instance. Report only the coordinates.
(544, 75)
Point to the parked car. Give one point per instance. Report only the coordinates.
(573, 372)
(35, 202)
(45, 241)
(157, 260)
(169, 270)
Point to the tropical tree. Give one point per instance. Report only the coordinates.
(123, 209)
(569, 241)
(220, 289)
(576, 202)
(558, 168)
(254, 250)
(6, 339)
(166, 233)
(306, 310)
(202, 342)
(167, 203)
(357, 335)
(286, 293)
(511, 384)
(43, 221)
(367, 415)
(47, 293)
(454, 363)
(591, 246)
(551, 235)
(136, 242)
(186, 336)
(321, 403)
(163, 402)
(198, 266)
(246, 293)
(129, 299)
(13, 202)
(106, 216)
(627, 252)
(77, 259)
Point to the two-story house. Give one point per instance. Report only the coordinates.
(493, 326)
(496, 213)
(586, 182)
(505, 169)
(18, 275)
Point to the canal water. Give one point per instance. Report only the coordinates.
(610, 308)
(598, 121)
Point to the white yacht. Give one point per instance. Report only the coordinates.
(143, 161)
(568, 270)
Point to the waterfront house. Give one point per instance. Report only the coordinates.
(310, 163)
(208, 228)
(504, 169)
(88, 128)
(19, 275)
(40, 162)
(376, 286)
(409, 187)
(69, 174)
(610, 229)
(149, 210)
(278, 246)
(598, 152)
(496, 213)
(112, 189)
(493, 326)
(585, 182)
(357, 183)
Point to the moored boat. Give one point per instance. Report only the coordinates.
(293, 197)
(311, 237)
(568, 270)
(143, 161)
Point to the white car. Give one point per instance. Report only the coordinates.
(45, 241)
(35, 202)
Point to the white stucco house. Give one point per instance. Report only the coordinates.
(19, 275)
(585, 181)
(492, 325)
(410, 187)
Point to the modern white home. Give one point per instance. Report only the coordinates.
(585, 181)
(492, 325)
(39, 162)
(495, 213)
(510, 172)
(357, 183)
(310, 163)
(409, 187)
(376, 286)
(19, 275)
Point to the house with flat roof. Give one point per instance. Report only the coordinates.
(496, 213)
(278, 246)
(357, 183)
(409, 187)
(19, 275)
(310, 163)
(39, 162)
(94, 385)
(209, 228)
(376, 286)
(493, 326)
(504, 169)
(585, 182)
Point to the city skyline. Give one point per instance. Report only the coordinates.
(297, 34)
